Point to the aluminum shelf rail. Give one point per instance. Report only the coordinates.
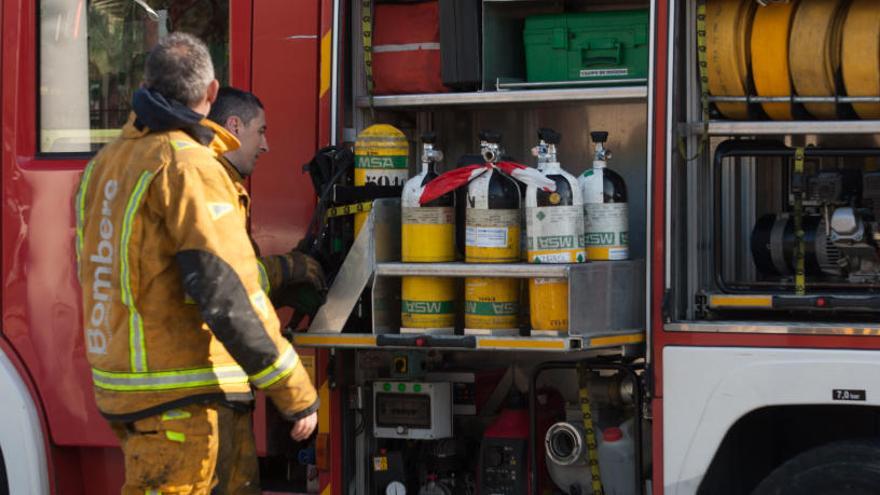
(615, 93)
(782, 128)
(795, 99)
(505, 270)
(776, 328)
(468, 342)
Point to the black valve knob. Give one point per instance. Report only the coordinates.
(490, 136)
(549, 136)
(494, 457)
(429, 137)
(599, 136)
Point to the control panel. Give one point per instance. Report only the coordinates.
(412, 410)
(503, 463)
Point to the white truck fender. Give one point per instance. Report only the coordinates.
(21, 435)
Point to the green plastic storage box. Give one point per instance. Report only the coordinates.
(599, 47)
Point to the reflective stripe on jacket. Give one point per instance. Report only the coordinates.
(158, 219)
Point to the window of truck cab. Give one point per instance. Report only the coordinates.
(91, 60)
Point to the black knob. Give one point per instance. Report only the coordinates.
(494, 457)
(490, 136)
(549, 136)
(599, 136)
(429, 137)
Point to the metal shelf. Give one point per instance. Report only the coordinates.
(506, 270)
(753, 128)
(616, 93)
(776, 328)
(463, 342)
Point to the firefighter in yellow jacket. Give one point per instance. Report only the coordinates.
(242, 114)
(177, 328)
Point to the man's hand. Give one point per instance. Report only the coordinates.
(305, 269)
(304, 427)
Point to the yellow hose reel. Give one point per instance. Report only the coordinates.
(814, 52)
(801, 46)
(728, 23)
(860, 55)
(769, 53)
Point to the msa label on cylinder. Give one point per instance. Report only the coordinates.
(606, 225)
(555, 234)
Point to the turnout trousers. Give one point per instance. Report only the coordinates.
(199, 449)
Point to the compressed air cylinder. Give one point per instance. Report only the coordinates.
(427, 236)
(492, 235)
(606, 215)
(555, 233)
(381, 155)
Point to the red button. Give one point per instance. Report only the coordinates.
(420, 342)
(820, 302)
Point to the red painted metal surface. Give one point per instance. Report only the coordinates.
(285, 77)
(240, 37)
(40, 294)
(658, 210)
(41, 298)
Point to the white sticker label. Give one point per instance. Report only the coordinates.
(486, 237)
(552, 258)
(605, 72)
(428, 215)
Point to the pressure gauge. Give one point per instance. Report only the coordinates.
(395, 488)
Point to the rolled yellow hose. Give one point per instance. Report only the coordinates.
(860, 55)
(728, 24)
(769, 51)
(814, 51)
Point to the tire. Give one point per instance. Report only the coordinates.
(841, 468)
(4, 483)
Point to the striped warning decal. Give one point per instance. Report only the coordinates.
(326, 63)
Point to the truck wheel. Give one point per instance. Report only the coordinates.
(4, 483)
(849, 467)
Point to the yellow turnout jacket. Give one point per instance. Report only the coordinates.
(173, 310)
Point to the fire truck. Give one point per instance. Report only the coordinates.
(733, 350)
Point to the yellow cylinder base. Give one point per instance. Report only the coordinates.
(428, 242)
(548, 304)
(491, 303)
(427, 302)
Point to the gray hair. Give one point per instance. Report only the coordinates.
(179, 68)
